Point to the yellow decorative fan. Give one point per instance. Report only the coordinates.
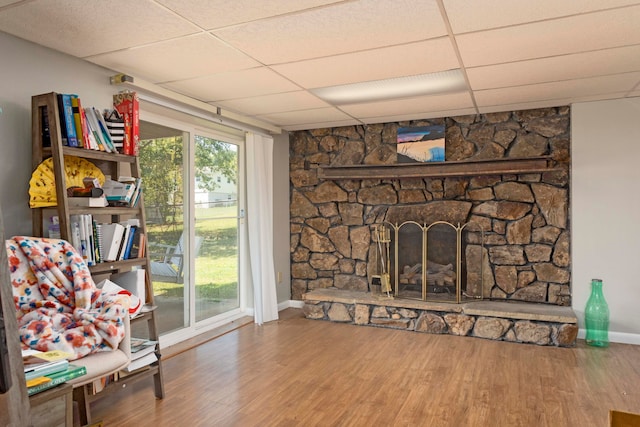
(42, 186)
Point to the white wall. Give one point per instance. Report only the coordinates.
(281, 228)
(605, 210)
(26, 70)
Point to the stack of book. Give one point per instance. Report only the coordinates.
(105, 242)
(88, 128)
(123, 192)
(142, 354)
(44, 370)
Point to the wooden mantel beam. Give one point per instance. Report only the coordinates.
(440, 169)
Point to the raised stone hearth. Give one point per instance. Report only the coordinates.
(531, 323)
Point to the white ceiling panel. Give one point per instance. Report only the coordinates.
(233, 85)
(613, 28)
(419, 104)
(276, 103)
(318, 125)
(82, 28)
(346, 27)
(558, 90)
(549, 103)
(397, 61)
(211, 14)
(306, 116)
(466, 16)
(260, 59)
(175, 59)
(431, 114)
(557, 68)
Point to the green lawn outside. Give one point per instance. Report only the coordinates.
(217, 262)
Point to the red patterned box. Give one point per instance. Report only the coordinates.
(128, 106)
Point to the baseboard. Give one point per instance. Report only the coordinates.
(618, 337)
(290, 304)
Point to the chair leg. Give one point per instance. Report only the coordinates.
(84, 410)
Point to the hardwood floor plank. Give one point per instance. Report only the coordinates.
(299, 372)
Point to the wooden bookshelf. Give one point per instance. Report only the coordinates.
(110, 164)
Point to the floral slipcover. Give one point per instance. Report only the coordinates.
(58, 305)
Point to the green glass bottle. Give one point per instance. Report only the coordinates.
(596, 316)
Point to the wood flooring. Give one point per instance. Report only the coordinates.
(300, 372)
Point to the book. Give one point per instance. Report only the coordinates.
(142, 362)
(42, 369)
(69, 122)
(89, 138)
(142, 351)
(88, 202)
(72, 372)
(95, 129)
(104, 132)
(77, 120)
(96, 241)
(139, 344)
(125, 242)
(62, 121)
(135, 245)
(129, 245)
(112, 234)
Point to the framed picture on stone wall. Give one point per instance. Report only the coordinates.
(421, 144)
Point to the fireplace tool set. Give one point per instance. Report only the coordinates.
(383, 236)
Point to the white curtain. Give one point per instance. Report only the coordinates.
(259, 154)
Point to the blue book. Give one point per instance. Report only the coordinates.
(127, 250)
(69, 121)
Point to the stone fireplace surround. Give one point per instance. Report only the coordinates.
(524, 212)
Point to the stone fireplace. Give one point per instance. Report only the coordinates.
(506, 173)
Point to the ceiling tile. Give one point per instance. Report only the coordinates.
(396, 61)
(548, 103)
(558, 90)
(557, 68)
(466, 16)
(276, 103)
(321, 125)
(613, 28)
(418, 116)
(233, 85)
(175, 59)
(82, 28)
(305, 116)
(422, 104)
(211, 14)
(346, 27)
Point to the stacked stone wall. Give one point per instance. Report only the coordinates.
(525, 215)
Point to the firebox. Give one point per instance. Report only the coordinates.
(430, 262)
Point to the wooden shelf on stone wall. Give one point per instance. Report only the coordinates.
(441, 169)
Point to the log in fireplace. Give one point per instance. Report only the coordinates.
(451, 274)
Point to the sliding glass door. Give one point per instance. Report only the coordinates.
(192, 179)
(217, 218)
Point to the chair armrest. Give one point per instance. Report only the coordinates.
(125, 344)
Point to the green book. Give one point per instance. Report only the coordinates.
(73, 371)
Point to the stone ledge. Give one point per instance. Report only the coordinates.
(533, 323)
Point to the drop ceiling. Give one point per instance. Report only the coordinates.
(262, 59)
